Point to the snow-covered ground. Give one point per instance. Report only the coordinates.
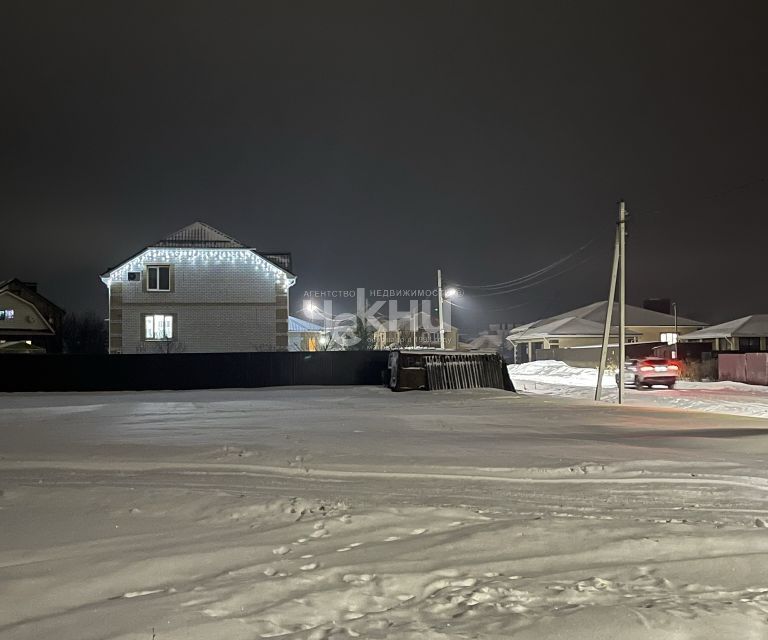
(551, 377)
(314, 513)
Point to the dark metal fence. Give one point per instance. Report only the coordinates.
(435, 370)
(189, 370)
(472, 371)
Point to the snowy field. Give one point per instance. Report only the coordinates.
(311, 513)
(551, 377)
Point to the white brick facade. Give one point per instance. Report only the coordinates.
(227, 299)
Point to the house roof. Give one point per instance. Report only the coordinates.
(297, 324)
(423, 319)
(635, 316)
(571, 327)
(204, 236)
(485, 341)
(753, 326)
(25, 291)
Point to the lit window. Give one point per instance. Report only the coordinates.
(6, 314)
(158, 278)
(669, 338)
(158, 327)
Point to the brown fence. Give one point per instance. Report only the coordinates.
(751, 368)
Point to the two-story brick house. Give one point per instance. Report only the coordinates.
(199, 290)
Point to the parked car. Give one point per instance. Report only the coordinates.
(650, 371)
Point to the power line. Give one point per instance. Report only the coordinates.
(534, 283)
(530, 276)
(512, 306)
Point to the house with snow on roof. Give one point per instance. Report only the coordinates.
(417, 330)
(584, 327)
(199, 290)
(747, 334)
(304, 335)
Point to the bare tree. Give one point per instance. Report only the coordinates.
(84, 333)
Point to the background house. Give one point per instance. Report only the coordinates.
(28, 318)
(746, 334)
(486, 341)
(492, 340)
(427, 334)
(583, 328)
(199, 290)
(305, 336)
(562, 333)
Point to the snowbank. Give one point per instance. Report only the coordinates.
(556, 372)
(552, 377)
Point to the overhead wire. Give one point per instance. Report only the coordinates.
(529, 276)
(533, 283)
(507, 308)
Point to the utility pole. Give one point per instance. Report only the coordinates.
(622, 295)
(608, 320)
(619, 270)
(440, 307)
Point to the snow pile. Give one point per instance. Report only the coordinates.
(556, 372)
(555, 378)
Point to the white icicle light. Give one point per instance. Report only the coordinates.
(233, 256)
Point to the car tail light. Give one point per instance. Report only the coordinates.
(646, 368)
(672, 366)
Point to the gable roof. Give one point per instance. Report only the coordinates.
(47, 330)
(26, 292)
(571, 326)
(423, 320)
(297, 324)
(485, 341)
(203, 236)
(753, 326)
(635, 316)
(199, 234)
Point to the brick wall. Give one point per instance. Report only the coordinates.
(233, 304)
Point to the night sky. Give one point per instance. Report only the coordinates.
(378, 140)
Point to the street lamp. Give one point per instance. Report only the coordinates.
(450, 292)
(311, 310)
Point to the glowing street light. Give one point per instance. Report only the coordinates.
(442, 296)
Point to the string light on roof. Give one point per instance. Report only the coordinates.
(232, 256)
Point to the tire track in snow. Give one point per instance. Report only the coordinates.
(748, 482)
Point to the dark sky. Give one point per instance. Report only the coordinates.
(377, 140)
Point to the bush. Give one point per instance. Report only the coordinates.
(699, 370)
